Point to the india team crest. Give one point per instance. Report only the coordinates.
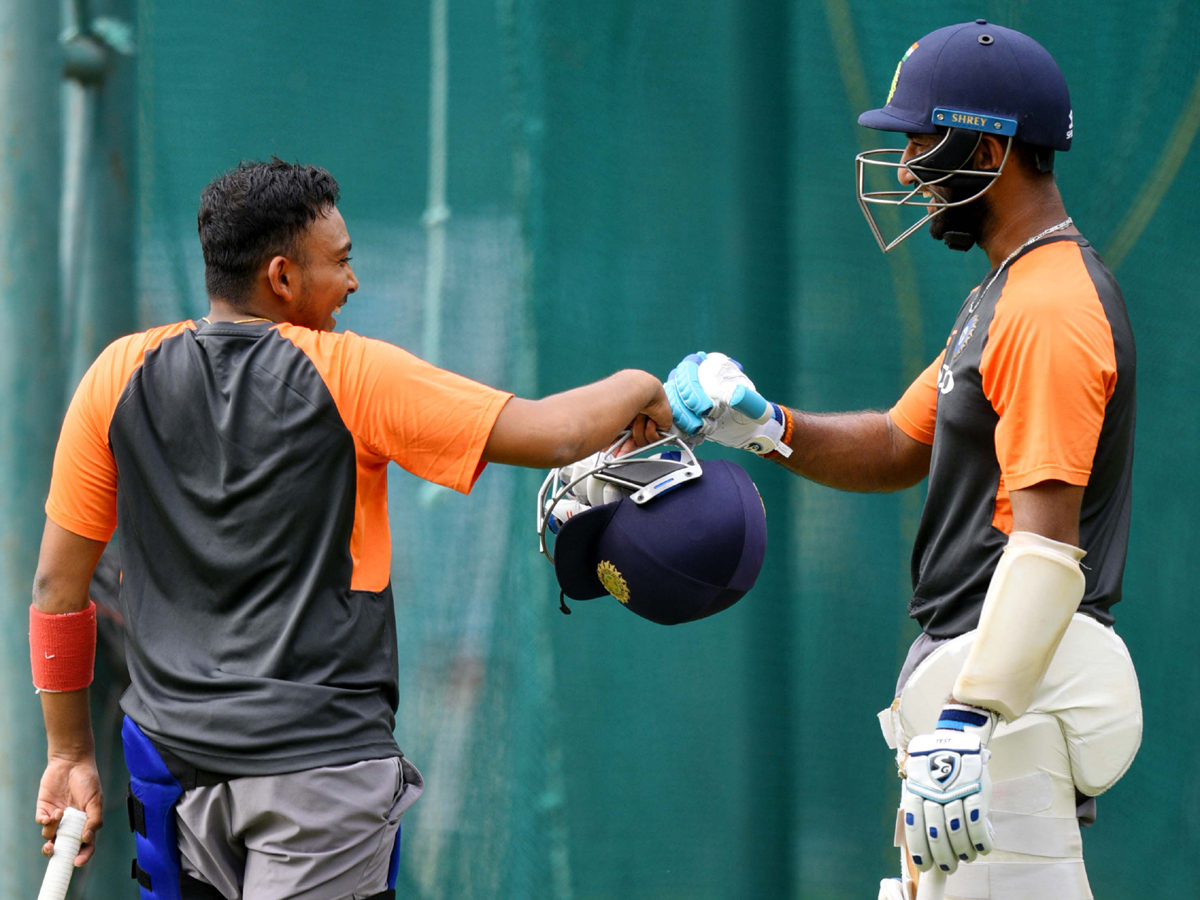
(896, 77)
(965, 337)
(612, 580)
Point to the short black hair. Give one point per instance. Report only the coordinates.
(253, 212)
(1033, 157)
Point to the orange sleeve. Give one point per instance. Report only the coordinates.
(83, 484)
(431, 422)
(916, 412)
(1049, 369)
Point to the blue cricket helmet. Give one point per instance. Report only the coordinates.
(997, 80)
(965, 81)
(684, 554)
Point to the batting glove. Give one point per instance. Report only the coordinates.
(710, 395)
(689, 403)
(947, 790)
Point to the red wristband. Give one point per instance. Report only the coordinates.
(62, 649)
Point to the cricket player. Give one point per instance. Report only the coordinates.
(1018, 704)
(244, 457)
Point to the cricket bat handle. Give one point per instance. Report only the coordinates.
(66, 848)
(931, 885)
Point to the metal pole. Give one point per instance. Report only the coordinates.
(97, 256)
(31, 390)
(437, 213)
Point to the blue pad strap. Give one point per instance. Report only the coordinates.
(157, 790)
(394, 865)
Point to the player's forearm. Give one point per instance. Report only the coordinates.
(591, 417)
(57, 592)
(68, 724)
(859, 451)
(562, 428)
(60, 589)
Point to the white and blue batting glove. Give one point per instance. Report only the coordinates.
(710, 395)
(947, 790)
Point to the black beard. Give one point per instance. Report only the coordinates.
(968, 220)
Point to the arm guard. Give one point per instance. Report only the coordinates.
(1034, 592)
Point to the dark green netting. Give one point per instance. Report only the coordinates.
(628, 182)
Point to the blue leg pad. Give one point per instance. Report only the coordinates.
(155, 791)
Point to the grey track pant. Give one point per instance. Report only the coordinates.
(319, 834)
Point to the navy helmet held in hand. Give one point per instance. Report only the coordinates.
(673, 554)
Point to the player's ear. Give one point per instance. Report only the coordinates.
(990, 153)
(281, 274)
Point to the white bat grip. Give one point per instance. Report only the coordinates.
(66, 848)
(931, 885)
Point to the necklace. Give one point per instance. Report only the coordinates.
(1065, 223)
(238, 321)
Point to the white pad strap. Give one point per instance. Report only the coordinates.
(887, 723)
(1025, 794)
(1034, 591)
(1049, 836)
(1066, 880)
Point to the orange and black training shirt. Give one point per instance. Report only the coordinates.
(246, 466)
(1037, 383)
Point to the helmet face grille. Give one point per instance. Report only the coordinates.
(942, 173)
(605, 477)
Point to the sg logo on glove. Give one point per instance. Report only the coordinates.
(943, 767)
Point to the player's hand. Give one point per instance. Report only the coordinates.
(711, 395)
(642, 431)
(946, 798)
(70, 782)
(651, 424)
(654, 420)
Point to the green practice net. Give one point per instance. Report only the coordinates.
(545, 192)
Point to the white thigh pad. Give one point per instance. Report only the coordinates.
(1090, 688)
